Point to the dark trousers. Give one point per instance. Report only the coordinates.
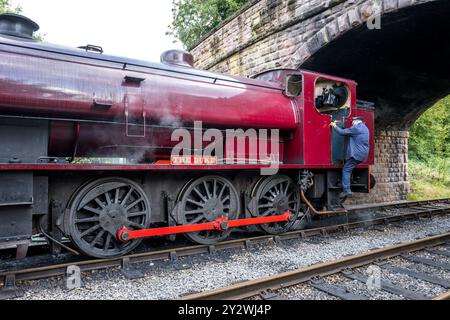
(350, 164)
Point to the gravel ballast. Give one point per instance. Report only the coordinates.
(169, 280)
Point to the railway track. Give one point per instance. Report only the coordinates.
(315, 276)
(410, 211)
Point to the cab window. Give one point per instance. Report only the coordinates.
(332, 97)
(294, 85)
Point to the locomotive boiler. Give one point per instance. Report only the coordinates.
(87, 144)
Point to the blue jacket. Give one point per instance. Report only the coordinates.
(358, 145)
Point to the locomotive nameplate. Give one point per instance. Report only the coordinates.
(193, 161)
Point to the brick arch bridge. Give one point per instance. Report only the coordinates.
(403, 66)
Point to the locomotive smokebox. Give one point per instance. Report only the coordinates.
(17, 26)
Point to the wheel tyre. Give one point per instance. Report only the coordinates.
(96, 190)
(282, 193)
(209, 205)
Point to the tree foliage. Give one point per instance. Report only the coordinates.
(430, 137)
(192, 19)
(6, 7)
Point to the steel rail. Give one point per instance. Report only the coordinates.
(171, 254)
(252, 288)
(445, 296)
(400, 205)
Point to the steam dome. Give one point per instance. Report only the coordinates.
(17, 26)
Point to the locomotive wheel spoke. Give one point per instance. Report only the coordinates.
(86, 220)
(215, 188)
(137, 214)
(287, 188)
(196, 203)
(127, 196)
(197, 220)
(135, 225)
(100, 203)
(90, 209)
(89, 231)
(207, 190)
(98, 237)
(222, 191)
(116, 197)
(131, 206)
(278, 189)
(267, 212)
(194, 211)
(108, 198)
(107, 242)
(200, 195)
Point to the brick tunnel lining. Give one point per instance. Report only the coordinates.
(404, 67)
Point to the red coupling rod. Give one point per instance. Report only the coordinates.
(221, 224)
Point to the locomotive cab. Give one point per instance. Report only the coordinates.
(322, 100)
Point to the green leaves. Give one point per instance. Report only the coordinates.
(430, 138)
(5, 7)
(192, 19)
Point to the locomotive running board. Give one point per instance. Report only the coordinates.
(221, 224)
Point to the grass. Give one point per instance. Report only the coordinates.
(426, 182)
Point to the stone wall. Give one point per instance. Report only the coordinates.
(270, 34)
(263, 36)
(390, 169)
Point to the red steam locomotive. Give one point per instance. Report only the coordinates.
(105, 150)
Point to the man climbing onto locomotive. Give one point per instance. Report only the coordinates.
(357, 150)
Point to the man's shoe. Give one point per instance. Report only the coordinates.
(345, 195)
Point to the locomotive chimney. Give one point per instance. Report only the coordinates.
(16, 25)
(178, 57)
